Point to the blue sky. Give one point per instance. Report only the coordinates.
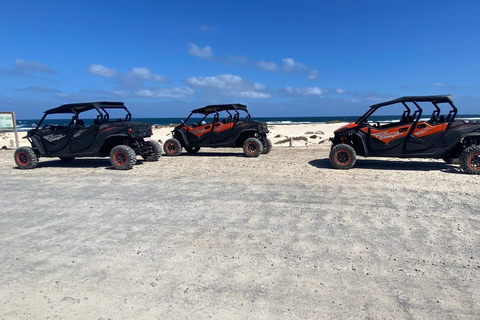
(281, 58)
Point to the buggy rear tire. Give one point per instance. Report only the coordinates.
(470, 160)
(67, 158)
(342, 156)
(26, 158)
(252, 147)
(123, 157)
(268, 146)
(172, 147)
(192, 149)
(156, 149)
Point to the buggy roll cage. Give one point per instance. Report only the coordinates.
(206, 111)
(77, 108)
(435, 100)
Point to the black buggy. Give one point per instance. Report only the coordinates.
(120, 138)
(413, 133)
(219, 126)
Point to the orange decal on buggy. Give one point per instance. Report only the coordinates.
(219, 127)
(426, 129)
(347, 126)
(199, 131)
(389, 134)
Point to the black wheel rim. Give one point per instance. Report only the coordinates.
(22, 158)
(475, 161)
(342, 157)
(252, 147)
(120, 158)
(172, 147)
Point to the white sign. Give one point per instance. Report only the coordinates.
(6, 121)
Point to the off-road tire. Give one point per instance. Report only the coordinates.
(157, 151)
(192, 149)
(172, 147)
(252, 147)
(470, 160)
(342, 156)
(26, 158)
(123, 157)
(67, 158)
(268, 147)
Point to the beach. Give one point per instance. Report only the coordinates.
(217, 235)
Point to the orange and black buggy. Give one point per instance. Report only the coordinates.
(415, 133)
(219, 126)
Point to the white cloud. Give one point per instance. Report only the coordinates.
(208, 28)
(220, 81)
(254, 95)
(145, 74)
(375, 99)
(174, 93)
(313, 74)
(92, 94)
(32, 66)
(288, 63)
(38, 89)
(353, 100)
(446, 85)
(230, 85)
(121, 93)
(205, 52)
(267, 65)
(340, 90)
(291, 65)
(308, 91)
(133, 76)
(104, 72)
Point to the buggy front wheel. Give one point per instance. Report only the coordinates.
(342, 156)
(26, 158)
(172, 147)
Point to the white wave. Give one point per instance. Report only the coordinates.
(287, 122)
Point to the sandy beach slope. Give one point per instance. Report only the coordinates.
(220, 236)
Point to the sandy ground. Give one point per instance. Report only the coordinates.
(220, 236)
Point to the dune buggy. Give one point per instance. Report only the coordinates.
(410, 135)
(121, 139)
(219, 126)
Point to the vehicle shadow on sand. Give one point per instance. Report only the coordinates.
(392, 165)
(79, 163)
(210, 154)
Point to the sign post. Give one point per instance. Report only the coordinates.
(8, 124)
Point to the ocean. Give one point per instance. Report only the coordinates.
(24, 125)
